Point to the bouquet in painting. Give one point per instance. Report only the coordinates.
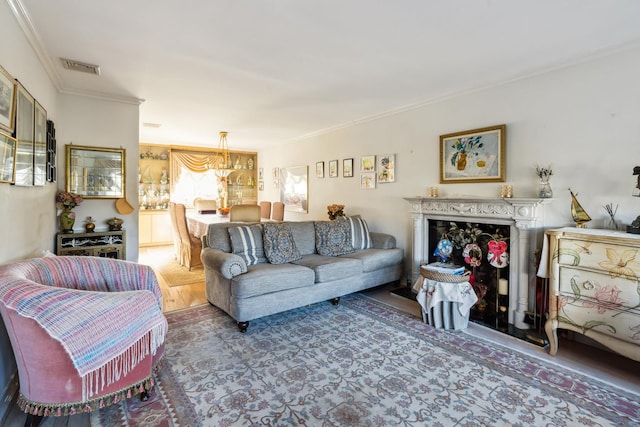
(67, 200)
(334, 211)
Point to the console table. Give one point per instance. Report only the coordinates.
(594, 282)
(107, 244)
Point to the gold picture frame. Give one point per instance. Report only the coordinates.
(95, 172)
(7, 100)
(7, 158)
(476, 155)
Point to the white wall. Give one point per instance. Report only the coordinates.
(101, 123)
(583, 120)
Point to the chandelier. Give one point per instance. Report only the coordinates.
(221, 164)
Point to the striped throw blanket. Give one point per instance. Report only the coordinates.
(106, 313)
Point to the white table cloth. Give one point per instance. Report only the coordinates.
(431, 292)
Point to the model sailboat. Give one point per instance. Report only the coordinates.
(580, 216)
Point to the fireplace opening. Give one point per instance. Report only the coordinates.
(484, 250)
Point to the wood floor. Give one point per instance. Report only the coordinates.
(609, 367)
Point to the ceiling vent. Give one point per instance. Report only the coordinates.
(83, 67)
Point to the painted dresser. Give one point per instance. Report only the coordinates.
(594, 287)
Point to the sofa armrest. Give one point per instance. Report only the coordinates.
(229, 265)
(382, 240)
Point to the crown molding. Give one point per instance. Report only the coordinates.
(24, 20)
(104, 96)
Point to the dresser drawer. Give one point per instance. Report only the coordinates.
(600, 288)
(614, 259)
(586, 316)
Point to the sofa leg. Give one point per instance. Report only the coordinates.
(335, 301)
(243, 326)
(33, 420)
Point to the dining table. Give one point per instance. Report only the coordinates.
(198, 222)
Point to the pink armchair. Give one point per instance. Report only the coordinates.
(100, 321)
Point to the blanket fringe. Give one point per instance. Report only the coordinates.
(94, 382)
(72, 408)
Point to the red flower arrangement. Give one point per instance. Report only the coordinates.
(67, 200)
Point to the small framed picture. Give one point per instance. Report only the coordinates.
(260, 185)
(260, 174)
(386, 168)
(333, 168)
(368, 164)
(7, 97)
(347, 168)
(319, 169)
(368, 180)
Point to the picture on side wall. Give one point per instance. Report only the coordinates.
(294, 188)
(7, 97)
(368, 180)
(347, 168)
(368, 164)
(260, 174)
(276, 177)
(333, 168)
(386, 168)
(319, 169)
(7, 158)
(476, 155)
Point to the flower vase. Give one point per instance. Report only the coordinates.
(67, 219)
(544, 189)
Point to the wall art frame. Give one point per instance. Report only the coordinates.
(23, 175)
(319, 169)
(477, 155)
(7, 100)
(368, 163)
(39, 145)
(333, 168)
(7, 158)
(386, 168)
(347, 168)
(368, 181)
(95, 172)
(294, 188)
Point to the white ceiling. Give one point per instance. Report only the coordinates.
(271, 71)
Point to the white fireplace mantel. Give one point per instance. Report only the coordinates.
(522, 215)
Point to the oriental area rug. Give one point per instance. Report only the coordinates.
(361, 363)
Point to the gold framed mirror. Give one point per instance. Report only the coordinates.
(95, 173)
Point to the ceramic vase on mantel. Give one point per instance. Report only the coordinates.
(67, 219)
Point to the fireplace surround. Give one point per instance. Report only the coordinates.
(523, 216)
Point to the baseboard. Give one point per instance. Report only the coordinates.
(8, 397)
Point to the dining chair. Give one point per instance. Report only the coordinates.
(277, 213)
(190, 245)
(244, 213)
(175, 234)
(265, 210)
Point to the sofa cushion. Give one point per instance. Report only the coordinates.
(261, 279)
(329, 268)
(246, 241)
(333, 238)
(360, 238)
(375, 259)
(304, 234)
(279, 246)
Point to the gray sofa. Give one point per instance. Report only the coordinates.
(248, 292)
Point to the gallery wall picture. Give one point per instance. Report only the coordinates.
(368, 164)
(319, 169)
(368, 180)
(7, 100)
(347, 168)
(333, 168)
(386, 168)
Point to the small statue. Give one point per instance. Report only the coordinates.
(250, 163)
(164, 179)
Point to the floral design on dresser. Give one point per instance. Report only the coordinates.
(621, 264)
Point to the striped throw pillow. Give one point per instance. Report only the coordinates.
(360, 238)
(246, 241)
